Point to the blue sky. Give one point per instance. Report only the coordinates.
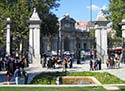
(80, 9)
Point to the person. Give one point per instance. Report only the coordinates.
(8, 77)
(99, 63)
(43, 60)
(108, 62)
(95, 65)
(64, 64)
(25, 75)
(49, 63)
(91, 65)
(118, 63)
(70, 62)
(1, 64)
(22, 63)
(17, 74)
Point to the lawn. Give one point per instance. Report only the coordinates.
(53, 89)
(50, 77)
(122, 88)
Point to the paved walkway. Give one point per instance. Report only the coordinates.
(35, 69)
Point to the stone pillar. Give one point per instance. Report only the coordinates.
(123, 40)
(31, 44)
(101, 36)
(101, 42)
(98, 39)
(104, 41)
(8, 36)
(34, 37)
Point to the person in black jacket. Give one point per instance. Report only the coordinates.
(91, 64)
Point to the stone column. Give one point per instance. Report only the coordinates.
(104, 42)
(8, 36)
(34, 37)
(98, 38)
(123, 40)
(101, 36)
(30, 44)
(101, 42)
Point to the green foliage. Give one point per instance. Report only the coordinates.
(117, 9)
(4, 12)
(104, 78)
(92, 33)
(47, 78)
(49, 24)
(20, 11)
(92, 37)
(50, 78)
(92, 88)
(49, 20)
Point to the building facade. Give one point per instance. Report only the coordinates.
(71, 37)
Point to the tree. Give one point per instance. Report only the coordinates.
(49, 27)
(20, 14)
(20, 10)
(116, 14)
(49, 20)
(92, 37)
(4, 13)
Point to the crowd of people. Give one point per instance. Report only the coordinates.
(95, 64)
(14, 66)
(66, 61)
(113, 62)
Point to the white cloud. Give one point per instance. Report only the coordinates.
(94, 7)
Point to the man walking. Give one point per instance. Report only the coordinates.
(17, 74)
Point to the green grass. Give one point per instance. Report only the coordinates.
(122, 88)
(50, 77)
(53, 89)
(104, 78)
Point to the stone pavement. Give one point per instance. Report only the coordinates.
(35, 69)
